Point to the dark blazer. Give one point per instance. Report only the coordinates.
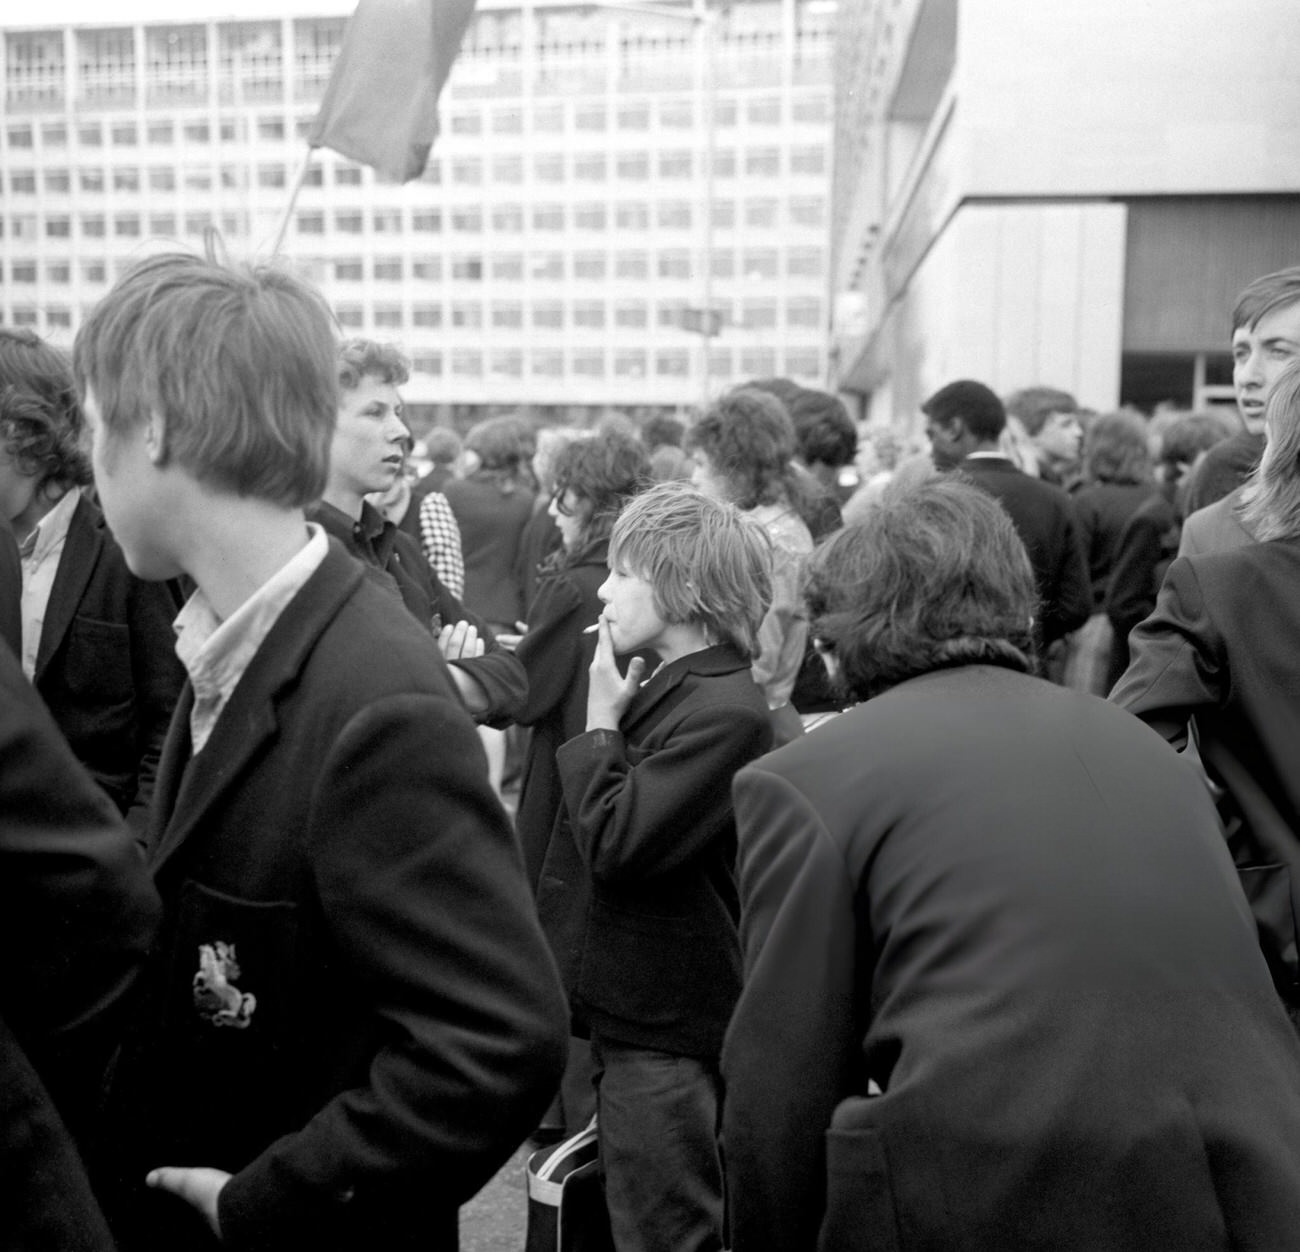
(556, 656)
(107, 666)
(1103, 510)
(638, 892)
(1010, 909)
(407, 1028)
(1045, 520)
(1221, 647)
(491, 529)
(11, 591)
(77, 912)
(1146, 545)
(385, 550)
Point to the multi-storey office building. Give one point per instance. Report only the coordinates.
(600, 173)
(1029, 191)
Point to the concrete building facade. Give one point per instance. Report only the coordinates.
(1033, 192)
(604, 175)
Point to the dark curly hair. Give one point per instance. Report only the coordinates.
(604, 472)
(934, 575)
(41, 423)
(749, 439)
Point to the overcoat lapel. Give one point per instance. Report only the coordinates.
(652, 698)
(81, 552)
(191, 787)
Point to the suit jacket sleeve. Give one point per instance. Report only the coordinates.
(633, 820)
(497, 671)
(789, 1051)
(421, 884)
(1072, 604)
(1176, 658)
(552, 652)
(77, 906)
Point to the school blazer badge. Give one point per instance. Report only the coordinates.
(218, 1000)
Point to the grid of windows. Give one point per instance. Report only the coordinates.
(537, 202)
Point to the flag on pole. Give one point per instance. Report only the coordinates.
(381, 104)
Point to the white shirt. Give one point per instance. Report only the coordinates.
(216, 653)
(41, 552)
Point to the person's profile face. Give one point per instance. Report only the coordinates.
(1259, 354)
(368, 451)
(630, 610)
(129, 486)
(947, 443)
(570, 514)
(705, 475)
(1060, 437)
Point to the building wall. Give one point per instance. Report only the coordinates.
(1016, 294)
(570, 213)
(981, 214)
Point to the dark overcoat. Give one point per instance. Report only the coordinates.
(638, 891)
(77, 913)
(1220, 646)
(350, 1006)
(107, 666)
(1002, 990)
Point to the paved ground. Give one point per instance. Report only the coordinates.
(495, 1219)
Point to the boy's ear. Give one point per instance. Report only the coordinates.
(155, 438)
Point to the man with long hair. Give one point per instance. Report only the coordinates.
(1218, 653)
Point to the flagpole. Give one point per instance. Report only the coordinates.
(293, 200)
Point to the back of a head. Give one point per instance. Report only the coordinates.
(1116, 449)
(1034, 405)
(662, 431)
(749, 439)
(1265, 294)
(503, 447)
(705, 560)
(237, 361)
(932, 575)
(977, 405)
(604, 471)
(443, 445)
(823, 429)
(1186, 435)
(40, 419)
(784, 389)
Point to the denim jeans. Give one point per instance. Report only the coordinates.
(658, 1129)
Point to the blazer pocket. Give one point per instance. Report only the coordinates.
(97, 664)
(859, 1199)
(231, 1001)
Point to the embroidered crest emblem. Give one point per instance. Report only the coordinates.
(218, 1000)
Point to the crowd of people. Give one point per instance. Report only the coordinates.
(358, 827)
